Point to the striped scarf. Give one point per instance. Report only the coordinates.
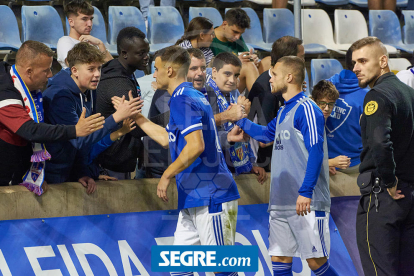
(34, 177)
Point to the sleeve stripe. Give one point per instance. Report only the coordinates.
(307, 120)
(10, 102)
(190, 127)
(310, 116)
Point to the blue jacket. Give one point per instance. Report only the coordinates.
(63, 103)
(343, 131)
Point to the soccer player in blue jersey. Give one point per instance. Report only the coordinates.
(207, 193)
(299, 195)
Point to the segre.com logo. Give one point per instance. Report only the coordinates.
(204, 258)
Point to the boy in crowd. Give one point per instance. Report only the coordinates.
(67, 94)
(80, 16)
(228, 39)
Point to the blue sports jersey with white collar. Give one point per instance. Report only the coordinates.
(207, 180)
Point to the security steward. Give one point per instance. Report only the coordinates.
(385, 218)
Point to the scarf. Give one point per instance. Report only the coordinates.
(239, 152)
(33, 103)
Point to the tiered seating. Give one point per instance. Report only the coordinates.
(120, 17)
(322, 69)
(42, 23)
(408, 29)
(384, 24)
(398, 64)
(165, 27)
(333, 2)
(277, 23)
(9, 30)
(350, 26)
(99, 31)
(208, 12)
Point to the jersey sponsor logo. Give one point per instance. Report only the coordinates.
(282, 135)
(171, 137)
(204, 100)
(370, 108)
(339, 115)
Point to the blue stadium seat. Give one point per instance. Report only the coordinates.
(120, 17)
(364, 3)
(9, 30)
(408, 29)
(308, 89)
(385, 25)
(277, 23)
(152, 67)
(139, 74)
(316, 19)
(42, 23)
(333, 2)
(359, 3)
(350, 25)
(322, 69)
(211, 13)
(165, 27)
(254, 36)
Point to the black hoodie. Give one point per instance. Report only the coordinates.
(115, 81)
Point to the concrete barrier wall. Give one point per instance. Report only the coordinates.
(70, 199)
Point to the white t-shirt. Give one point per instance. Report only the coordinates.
(64, 45)
(407, 77)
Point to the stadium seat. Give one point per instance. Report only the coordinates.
(277, 23)
(408, 29)
(9, 30)
(385, 25)
(398, 64)
(359, 3)
(305, 3)
(211, 13)
(322, 69)
(316, 19)
(42, 23)
(350, 25)
(253, 36)
(402, 3)
(120, 17)
(99, 31)
(165, 27)
(139, 74)
(308, 89)
(333, 2)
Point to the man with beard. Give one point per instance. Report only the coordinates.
(118, 79)
(386, 212)
(300, 202)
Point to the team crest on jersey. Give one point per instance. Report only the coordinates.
(370, 108)
(339, 115)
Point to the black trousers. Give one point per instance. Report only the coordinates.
(386, 238)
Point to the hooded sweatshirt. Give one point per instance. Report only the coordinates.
(63, 102)
(115, 81)
(343, 131)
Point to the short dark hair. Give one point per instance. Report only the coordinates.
(348, 60)
(126, 35)
(284, 46)
(324, 89)
(29, 51)
(238, 17)
(225, 58)
(369, 41)
(178, 56)
(78, 6)
(197, 53)
(295, 66)
(84, 53)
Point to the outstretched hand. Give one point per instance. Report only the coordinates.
(86, 126)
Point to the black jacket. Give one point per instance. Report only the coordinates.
(265, 105)
(17, 130)
(387, 128)
(115, 81)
